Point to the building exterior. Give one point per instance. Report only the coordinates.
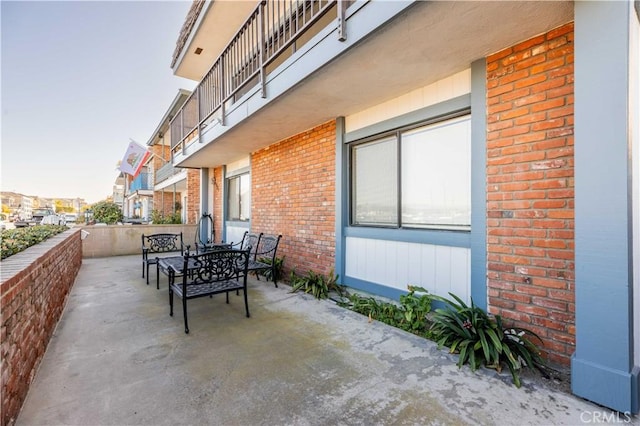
(118, 190)
(138, 195)
(488, 149)
(176, 190)
(22, 205)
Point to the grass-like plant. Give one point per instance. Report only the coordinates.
(480, 338)
(316, 284)
(268, 273)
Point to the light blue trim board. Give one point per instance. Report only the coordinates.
(479, 183)
(602, 367)
(421, 236)
(373, 288)
(341, 196)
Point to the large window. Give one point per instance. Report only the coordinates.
(239, 197)
(414, 178)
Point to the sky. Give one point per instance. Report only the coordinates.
(78, 81)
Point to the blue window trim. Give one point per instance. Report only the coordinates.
(475, 239)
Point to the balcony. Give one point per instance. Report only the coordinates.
(143, 182)
(262, 42)
(167, 171)
(277, 77)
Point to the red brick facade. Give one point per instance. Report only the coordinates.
(293, 194)
(530, 188)
(193, 196)
(35, 286)
(218, 185)
(163, 202)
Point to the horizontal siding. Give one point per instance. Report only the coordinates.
(439, 269)
(440, 91)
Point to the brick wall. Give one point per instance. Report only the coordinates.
(163, 202)
(218, 201)
(34, 290)
(293, 194)
(193, 196)
(530, 188)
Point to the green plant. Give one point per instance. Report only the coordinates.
(19, 239)
(409, 315)
(107, 212)
(479, 339)
(279, 265)
(415, 309)
(316, 284)
(160, 219)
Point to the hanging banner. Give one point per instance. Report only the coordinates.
(134, 159)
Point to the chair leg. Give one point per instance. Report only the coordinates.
(143, 268)
(273, 274)
(147, 274)
(246, 302)
(157, 276)
(184, 310)
(170, 302)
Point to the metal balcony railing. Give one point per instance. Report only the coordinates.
(141, 182)
(273, 27)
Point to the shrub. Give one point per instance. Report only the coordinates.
(409, 315)
(479, 339)
(316, 284)
(107, 212)
(267, 273)
(19, 239)
(171, 218)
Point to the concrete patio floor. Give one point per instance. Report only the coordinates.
(118, 358)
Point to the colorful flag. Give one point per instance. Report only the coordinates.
(134, 159)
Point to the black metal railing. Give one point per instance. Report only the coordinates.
(271, 29)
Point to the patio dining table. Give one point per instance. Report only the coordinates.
(173, 266)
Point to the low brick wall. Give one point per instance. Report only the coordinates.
(34, 288)
(122, 240)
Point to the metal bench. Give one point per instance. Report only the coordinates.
(214, 272)
(159, 244)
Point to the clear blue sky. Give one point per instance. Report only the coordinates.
(78, 79)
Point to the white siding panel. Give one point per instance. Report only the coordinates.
(440, 91)
(443, 270)
(460, 276)
(234, 234)
(439, 269)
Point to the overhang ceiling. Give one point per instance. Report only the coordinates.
(425, 43)
(221, 19)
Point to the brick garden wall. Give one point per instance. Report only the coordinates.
(293, 194)
(35, 286)
(530, 188)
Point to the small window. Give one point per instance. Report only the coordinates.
(375, 189)
(415, 178)
(239, 198)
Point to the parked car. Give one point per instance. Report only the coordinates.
(42, 216)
